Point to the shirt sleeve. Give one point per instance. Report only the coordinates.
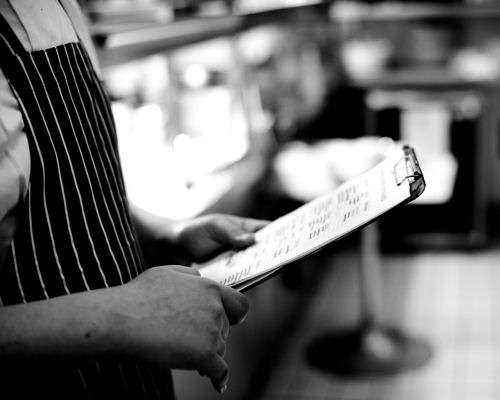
(29, 22)
(14, 163)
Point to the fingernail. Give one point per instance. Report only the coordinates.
(244, 237)
(241, 319)
(222, 389)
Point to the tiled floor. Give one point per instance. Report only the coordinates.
(450, 300)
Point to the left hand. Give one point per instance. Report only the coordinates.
(206, 236)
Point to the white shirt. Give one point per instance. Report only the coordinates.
(39, 25)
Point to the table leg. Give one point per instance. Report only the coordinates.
(371, 348)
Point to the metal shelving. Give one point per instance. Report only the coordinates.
(387, 12)
(118, 43)
(133, 42)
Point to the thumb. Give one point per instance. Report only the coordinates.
(241, 233)
(242, 240)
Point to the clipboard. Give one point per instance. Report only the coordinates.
(394, 182)
(411, 173)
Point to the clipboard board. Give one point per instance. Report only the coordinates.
(394, 182)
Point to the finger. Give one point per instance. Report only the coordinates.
(221, 348)
(235, 231)
(248, 227)
(221, 385)
(242, 240)
(225, 329)
(239, 232)
(183, 269)
(235, 304)
(218, 372)
(253, 225)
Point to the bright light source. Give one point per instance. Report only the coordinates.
(195, 76)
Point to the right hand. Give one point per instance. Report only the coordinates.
(173, 317)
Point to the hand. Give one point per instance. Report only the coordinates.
(204, 237)
(172, 317)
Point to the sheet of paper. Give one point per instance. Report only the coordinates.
(313, 225)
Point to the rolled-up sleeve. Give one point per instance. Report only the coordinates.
(14, 163)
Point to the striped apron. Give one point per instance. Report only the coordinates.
(74, 231)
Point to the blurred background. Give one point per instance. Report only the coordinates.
(254, 107)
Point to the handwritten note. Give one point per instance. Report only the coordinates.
(313, 225)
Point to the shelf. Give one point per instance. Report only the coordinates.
(352, 12)
(421, 78)
(257, 18)
(119, 43)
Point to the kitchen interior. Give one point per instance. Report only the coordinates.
(255, 107)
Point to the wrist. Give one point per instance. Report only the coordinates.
(158, 236)
(67, 329)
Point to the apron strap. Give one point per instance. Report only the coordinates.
(10, 45)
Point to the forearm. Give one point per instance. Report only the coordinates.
(167, 316)
(158, 237)
(69, 329)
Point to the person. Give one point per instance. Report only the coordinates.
(82, 314)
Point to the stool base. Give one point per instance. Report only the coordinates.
(367, 351)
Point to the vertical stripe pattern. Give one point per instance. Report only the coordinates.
(74, 231)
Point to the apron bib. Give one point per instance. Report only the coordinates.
(74, 230)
